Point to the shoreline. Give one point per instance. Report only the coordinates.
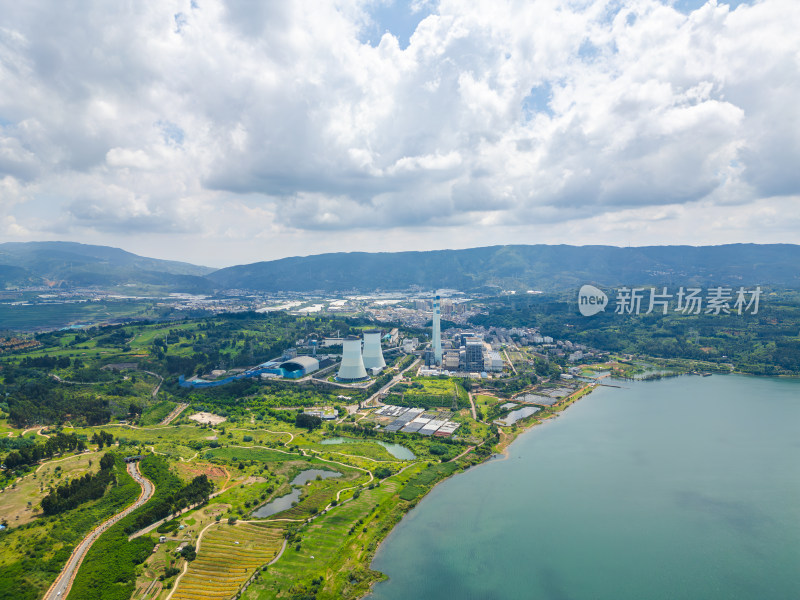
(503, 446)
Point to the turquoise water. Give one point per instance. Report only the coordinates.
(684, 488)
(395, 450)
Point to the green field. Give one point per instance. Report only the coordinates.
(19, 504)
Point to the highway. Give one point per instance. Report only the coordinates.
(63, 583)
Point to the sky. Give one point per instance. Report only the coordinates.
(231, 132)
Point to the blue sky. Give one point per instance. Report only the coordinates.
(398, 18)
(223, 131)
(690, 5)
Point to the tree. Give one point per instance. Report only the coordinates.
(189, 552)
(382, 472)
(107, 462)
(310, 422)
(102, 438)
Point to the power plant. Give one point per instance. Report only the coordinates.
(437, 332)
(352, 367)
(373, 354)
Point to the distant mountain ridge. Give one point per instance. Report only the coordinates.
(550, 268)
(543, 267)
(69, 264)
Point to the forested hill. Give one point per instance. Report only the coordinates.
(544, 267)
(75, 265)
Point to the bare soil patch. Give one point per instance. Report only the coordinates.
(208, 418)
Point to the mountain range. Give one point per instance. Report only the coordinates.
(520, 267)
(69, 264)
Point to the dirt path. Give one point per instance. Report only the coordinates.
(472, 406)
(169, 517)
(158, 386)
(38, 431)
(511, 364)
(50, 462)
(186, 563)
(175, 411)
(291, 435)
(61, 586)
(280, 553)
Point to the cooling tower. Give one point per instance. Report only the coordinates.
(352, 367)
(373, 355)
(437, 332)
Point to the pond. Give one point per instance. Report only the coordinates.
(285, 502)
(516, 415)
(304, 477)
(396, 450)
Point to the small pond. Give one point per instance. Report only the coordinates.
(516, 415)
(303, 477)
(395, 450)
(285, 502)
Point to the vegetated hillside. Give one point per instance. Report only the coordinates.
(72, 264)
(764, 343)
(550, 268)
(543, 267)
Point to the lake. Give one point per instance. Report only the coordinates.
(682, 488)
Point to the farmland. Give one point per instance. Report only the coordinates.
(227, 556)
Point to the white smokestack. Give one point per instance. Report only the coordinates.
(437, 332)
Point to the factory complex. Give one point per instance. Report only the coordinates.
(464, 354)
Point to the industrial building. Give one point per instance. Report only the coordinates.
(410, 345)
(326, 414)
(352, 367)
(299, 367)
(473, 356)
(452, 360)
(494, 362)
(373, 354)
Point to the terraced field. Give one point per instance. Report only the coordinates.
(227, 557)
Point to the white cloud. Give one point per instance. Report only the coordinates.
(208, 117)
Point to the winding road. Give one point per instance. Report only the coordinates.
(63, 583)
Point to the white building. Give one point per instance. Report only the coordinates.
(494, 362)
(409, 345)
